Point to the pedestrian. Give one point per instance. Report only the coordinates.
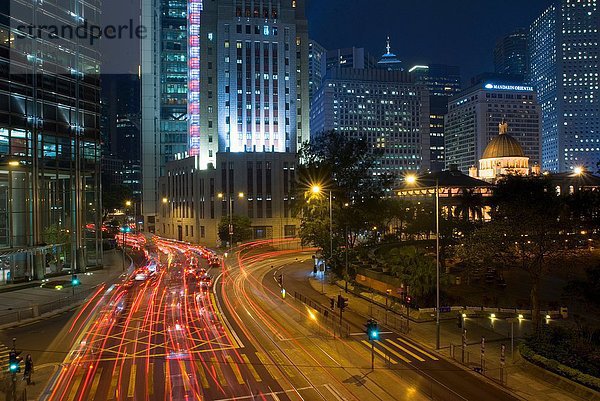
(28, 369)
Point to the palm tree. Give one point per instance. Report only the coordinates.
(471, 205)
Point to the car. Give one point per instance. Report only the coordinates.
(141, 276)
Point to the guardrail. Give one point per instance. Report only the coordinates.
(36, 310)
(330, 318)
(478, 362)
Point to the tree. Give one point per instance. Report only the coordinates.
(416, 270)
(525, 232)
(242, 229)
(470, 206)
(340, 165)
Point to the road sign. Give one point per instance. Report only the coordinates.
(444, 309)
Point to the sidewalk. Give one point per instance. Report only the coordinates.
(523, 378)
(22, 305)
(44, 299)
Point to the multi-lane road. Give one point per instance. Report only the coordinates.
(168, 336)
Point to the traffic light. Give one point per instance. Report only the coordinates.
(280, 280)
(14, 362)
(74, 280)
(332, 302)
(408, 299)
(342, 302)
(372, 329)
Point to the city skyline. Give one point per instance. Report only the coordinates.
(427, 31)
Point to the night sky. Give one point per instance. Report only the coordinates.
(456, 32)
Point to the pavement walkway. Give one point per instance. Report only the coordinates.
(525, 379)
(21, 301)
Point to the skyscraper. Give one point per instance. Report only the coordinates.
(386, 108)
(510, 53)
(247, 109)
(564, 68)
(351, 57)
(442, 82)
(49, 142)
(389, 61)
(316, 56)
(164, 74)
(475, 113)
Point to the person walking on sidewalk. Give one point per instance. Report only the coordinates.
(28, 369)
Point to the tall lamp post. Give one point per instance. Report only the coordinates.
(412, 180)
(316, 189)
(230, 214)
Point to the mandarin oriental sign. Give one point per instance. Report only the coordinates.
(521, 88)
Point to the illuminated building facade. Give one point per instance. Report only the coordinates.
(474, 115)
(564, 69)
(247, 101)
(442, 82)
(257, 185)
(49, 145)
(386, 108)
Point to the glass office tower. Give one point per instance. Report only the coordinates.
(49, 144)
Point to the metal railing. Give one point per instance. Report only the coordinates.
(477, 361)
(329, 317)
(20, 314)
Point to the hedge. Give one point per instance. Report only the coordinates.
(560, 369)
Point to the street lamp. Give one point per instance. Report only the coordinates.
(412, 179)
(316, 189)
(220, 195)
(578, 170)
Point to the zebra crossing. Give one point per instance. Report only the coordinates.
(4, 351)
(396, 350)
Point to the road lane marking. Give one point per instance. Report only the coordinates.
(406, 350)
(151, 379)
(281, 363)
(273, 371)
(419, 349)
(217, 368)
(95, 382)
(112, 391)
(131, 384)
(251, 368)
(75, 386)
(335, 393)
(378, 351)
(236, 369)
(202, 374)
(394, 352)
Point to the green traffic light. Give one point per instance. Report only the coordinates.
(14, 367)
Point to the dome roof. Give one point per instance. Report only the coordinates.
(503, 145)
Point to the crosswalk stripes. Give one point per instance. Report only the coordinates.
(427, 354)
(381, 354)
(401, 349)
(4, 351)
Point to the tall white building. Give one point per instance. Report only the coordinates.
(474, 115)
(564, 69)
(247, 82)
